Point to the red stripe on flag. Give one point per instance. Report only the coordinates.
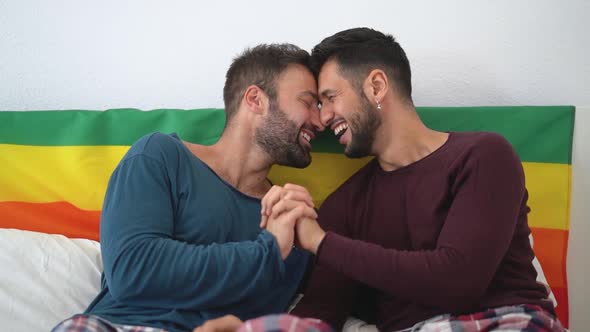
(54, 218)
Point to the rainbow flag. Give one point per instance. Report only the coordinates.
(56, 165)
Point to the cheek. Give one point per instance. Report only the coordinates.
(342, 108)
(303, 115)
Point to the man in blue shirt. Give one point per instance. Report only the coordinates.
(180, 234)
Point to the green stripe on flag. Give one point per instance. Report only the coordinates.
(111, 127)
(538, 133)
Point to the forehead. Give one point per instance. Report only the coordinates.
(296, 79)
(330, 77)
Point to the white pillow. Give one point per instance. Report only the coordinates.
(45, 278)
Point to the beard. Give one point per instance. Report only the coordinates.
(279, 138)
(363, 125)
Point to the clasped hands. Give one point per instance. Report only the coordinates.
(288, 213)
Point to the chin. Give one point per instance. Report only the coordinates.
(355, 153)
(300, 162)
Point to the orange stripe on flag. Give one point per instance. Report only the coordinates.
(55, 218)
(550, 247)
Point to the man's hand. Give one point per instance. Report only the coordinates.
(228, 323)
(281, 223)
(309, 234)
(276, 193)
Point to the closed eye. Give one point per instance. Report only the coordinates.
(308, 104)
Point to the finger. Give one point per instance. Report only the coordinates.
(282, 206)
(301, 211)
(291, 186)
(289, 218)
(298, 212)
(294, 187)
(272, 196)
(298, 196)
(288, 205)
(267, 198)
(263, 221)
(309, 212)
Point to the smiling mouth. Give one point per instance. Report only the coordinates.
(305, 137)
(340, 129)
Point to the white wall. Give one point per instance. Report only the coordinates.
(148, 54)
(578, 268)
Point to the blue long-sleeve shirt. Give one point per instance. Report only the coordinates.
(180, 245)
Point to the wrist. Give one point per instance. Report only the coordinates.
(317, 240)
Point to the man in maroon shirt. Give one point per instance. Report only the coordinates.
(431, 234)
(436, 224)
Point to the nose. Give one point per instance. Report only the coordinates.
(316, 121)
(326, 115)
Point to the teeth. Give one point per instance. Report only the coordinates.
(340, 128)
(306, 136)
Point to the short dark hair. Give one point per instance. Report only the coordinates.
(260, 66)
(358, 51)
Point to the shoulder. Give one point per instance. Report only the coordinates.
(161, 147)
(490, 140)
(487, 155)
(487, 146)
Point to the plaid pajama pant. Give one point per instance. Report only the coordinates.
(529, 318)
(89, 323)
(284, 323)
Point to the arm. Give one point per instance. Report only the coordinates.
(478, 230)
(144, 264)
(330, 295)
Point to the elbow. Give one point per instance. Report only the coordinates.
(124, 282)
(461, 283)
(122, 288)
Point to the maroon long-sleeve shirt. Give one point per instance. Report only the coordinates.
(446, 234)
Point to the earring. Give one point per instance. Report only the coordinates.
(378, 105)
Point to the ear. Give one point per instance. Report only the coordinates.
(376, 86)
(255, 99)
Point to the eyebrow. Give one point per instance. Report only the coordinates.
(327, 92)
(309, 93)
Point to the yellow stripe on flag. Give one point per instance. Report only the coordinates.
(79, 175)
(325, 174)
(549, 194)
(43, 174)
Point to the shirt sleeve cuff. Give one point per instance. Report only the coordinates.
(330, 249)
(274, 252)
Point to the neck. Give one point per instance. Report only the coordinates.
(238, 160)
(403, 137)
